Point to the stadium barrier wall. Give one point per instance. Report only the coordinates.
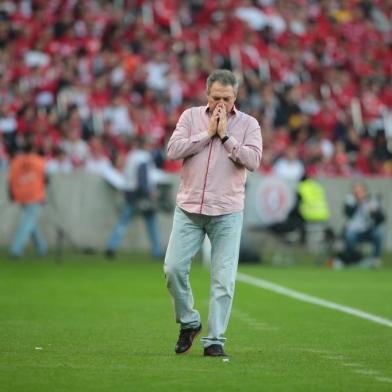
(84, 208)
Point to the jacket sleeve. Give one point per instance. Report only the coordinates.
(249, 152)
(349, 210)
(143, 186)
(183, 143)
(377, 214)
(350, 206)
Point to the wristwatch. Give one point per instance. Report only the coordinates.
(224, 139)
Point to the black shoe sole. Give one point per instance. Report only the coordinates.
(213, 354)
(216, 356)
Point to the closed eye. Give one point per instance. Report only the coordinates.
(226, 99)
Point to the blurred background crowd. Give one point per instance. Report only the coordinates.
(87, 76)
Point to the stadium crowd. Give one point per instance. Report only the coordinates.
(85, 77)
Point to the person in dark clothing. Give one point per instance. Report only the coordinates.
(140, 196)
(364, 224)
(310, 206)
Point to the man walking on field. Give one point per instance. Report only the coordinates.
(217, 143)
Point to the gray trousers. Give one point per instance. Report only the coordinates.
(189, 230)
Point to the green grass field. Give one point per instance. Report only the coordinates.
(90, 325)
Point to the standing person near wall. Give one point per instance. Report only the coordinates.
(140, 196)
(27, 186)
(217, 143)
(311, 206)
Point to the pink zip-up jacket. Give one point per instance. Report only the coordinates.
(213, 174)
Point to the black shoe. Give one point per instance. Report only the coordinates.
(215, 350)
(185, 340)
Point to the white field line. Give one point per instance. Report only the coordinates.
(355, 368)
(253, 323)
(264, 284)
(367, 372)
(351, 364)
(384, 379)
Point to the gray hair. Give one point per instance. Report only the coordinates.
(224, 77)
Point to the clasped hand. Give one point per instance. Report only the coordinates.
(218, 121)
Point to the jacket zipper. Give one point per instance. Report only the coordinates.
(205, 178)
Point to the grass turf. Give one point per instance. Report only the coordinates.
(90, 325)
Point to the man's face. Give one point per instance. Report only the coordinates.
(221, 94)
(359, 191)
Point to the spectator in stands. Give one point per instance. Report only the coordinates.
(59, 163)
(118, 115)
(8, 125)
(381, 153)
(267, 165)
(364, 224)
(75, 147)
(96, 161)
(27, 185)
(364, 163)
(289, 167)
(136, 62)
(140, 197)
